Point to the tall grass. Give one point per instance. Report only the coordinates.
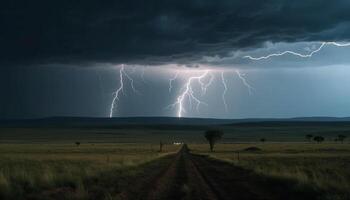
(27, 171)
(323, 167)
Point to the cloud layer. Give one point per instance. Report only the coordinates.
(159, 31)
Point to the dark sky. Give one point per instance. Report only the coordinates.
(61, 57)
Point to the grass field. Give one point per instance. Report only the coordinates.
(27, 169)
(47, 161)
(322, 167)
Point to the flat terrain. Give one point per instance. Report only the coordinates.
(124, 162)
(28, 169)
(234, 133)
(139, 171)
(191, 176)
(322, 168)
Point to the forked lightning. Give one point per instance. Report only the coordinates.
(323, 44)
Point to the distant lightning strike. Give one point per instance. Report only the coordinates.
(225, 90)
(187, 92)
(188, 95)
(244, 81)
(122, 74)
(131, 81)
(205, 79)
(193, 88)
(204, 86)
(116, 93)
(171, 80)
(323, 44)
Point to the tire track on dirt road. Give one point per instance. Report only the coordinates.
(197, 177)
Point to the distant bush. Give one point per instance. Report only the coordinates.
(161, 146)
(252, 149)
(77, 143)
(262, 140)
(213, 136)
(341, 138)
(319, 139)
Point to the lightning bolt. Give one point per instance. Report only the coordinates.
(187, 92)
(171, 80)
(323, 44)
(225, 90)
(244, 81)
(204, 86)
(116, 93)
(196, 84)
(143, 72)
(122, 74)
(131, 81)
(205, 79)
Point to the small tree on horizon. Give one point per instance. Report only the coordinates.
(160, 146)
(341, 138)
(213, 136)
(262, 140)
(309, 137)
(319, 139)
(77, 143)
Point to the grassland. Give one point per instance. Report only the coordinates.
(320, 167)
(32, 169)
(46, 161)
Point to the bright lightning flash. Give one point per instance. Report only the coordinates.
(225, 90)
(323, 44)
(197, 82)
(244, 81)
(122, 74)
(188, 93)
(205, 79)
(172, 80)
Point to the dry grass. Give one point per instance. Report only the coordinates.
(323, 167)
(27, 168)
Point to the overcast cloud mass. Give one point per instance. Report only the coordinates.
(62, 58)
(148, 32)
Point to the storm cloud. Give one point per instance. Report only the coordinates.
(159, 31)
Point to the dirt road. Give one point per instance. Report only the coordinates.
(190, 176)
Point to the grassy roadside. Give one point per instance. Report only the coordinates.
(50, 170)
(321, 167)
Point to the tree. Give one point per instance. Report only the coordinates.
(77, 143)
(341, 138)
(309, 137)
(160, 146)
(213, 136)
(262, 140)
(319, 139)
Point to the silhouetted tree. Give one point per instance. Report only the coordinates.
(319, 139)
(341, 138)
(77, 143)
(213, 136)
(262, 140)
(309, 137)
(160, 146)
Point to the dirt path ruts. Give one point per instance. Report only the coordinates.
(190, 176)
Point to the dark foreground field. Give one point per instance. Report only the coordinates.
(139, 171)
(181, 176)
(190, 176)
(124, 162)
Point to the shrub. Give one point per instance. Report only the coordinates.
(213, 136)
